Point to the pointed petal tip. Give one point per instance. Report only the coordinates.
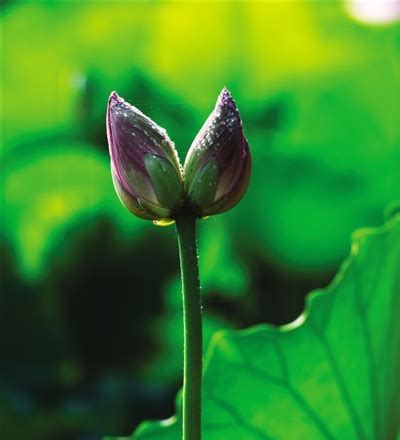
(225, 99)
(116, 102)
(114, 98)
(225, 91)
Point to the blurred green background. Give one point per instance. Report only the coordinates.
(90, 312)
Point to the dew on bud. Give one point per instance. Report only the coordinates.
(221, 153)
(147, 174)
(144, 163)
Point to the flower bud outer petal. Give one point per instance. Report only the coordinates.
(202, 189)
(154, 212)
(234, 192)
(166, 182)
(134, 134)
(222, 139)
(132, 137)
(216, 208)
(131, 203)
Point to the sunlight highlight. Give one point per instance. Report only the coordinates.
(375, 12)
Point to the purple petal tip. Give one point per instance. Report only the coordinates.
(114, 98)
(225, 99)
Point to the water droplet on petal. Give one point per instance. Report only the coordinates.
(164, 222)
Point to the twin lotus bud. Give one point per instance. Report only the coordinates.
(148, 177)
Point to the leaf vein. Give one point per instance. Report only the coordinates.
(285, 383)
(366, 334)
(340, 383)
(238, 417)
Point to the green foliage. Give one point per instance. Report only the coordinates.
(330, 374)
(318, 96)
(318, 101)
(335, 156)
(44, 192)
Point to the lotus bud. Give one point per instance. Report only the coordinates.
(218, 164)
(144, 163)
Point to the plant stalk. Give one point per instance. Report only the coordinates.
(192, 327)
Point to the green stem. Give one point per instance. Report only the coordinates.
(192, 366)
